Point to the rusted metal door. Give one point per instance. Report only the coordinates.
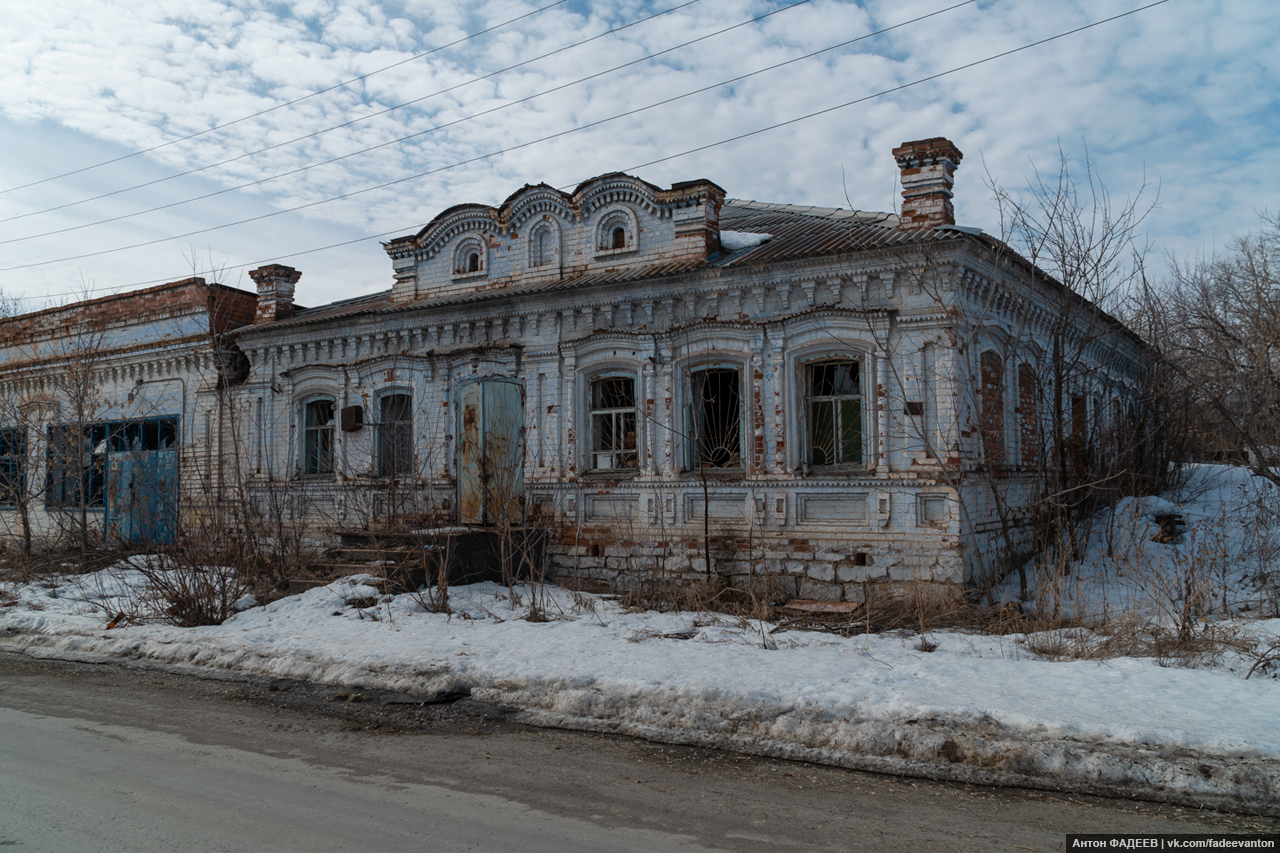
(491, 452)
(141, 500)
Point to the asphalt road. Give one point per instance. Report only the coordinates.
(106, 758)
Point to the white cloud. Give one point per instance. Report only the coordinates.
(1182, 92)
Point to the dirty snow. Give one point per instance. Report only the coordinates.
(732, 241)
(978, 708)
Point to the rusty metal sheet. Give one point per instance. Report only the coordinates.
(503, 451)
(470, 456)
(491, 452)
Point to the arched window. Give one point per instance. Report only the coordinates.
(395, 435)
(613, 422)
(616, 231)
(715, 417)
(469, 256)
(317, 437)
(543, 244)
(992, 403)
(833, 409)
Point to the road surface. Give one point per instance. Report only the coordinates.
(108, 758)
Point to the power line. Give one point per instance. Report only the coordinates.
(355, 121)
(280, 106)
(419, 134)
(481, 157)
(700, 148)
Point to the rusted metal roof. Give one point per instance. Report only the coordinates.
(797, 232)
(800, 232)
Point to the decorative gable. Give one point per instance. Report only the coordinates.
(542, 234)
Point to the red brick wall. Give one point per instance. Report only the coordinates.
(992, 400)
(1028, 416)
(231, 308)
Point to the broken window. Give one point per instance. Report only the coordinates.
(317, 438)
(473, 262)
(395, 435)
(619, 239)
(13, 465)
(833, 409)
(715, 418)
(76, 459)
(613, 423)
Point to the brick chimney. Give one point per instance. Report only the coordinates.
(928, 172)
(275, 292)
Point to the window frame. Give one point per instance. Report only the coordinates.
(63, 491)
(807, 399)
(467, 247)
(693, 442)
(613, 413)
(544, 256)
(610, 220)
(13, 466)
(394, 454)
(305, 431)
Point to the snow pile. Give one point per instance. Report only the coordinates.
(732, 241)
(1223, 562)
(978, 708)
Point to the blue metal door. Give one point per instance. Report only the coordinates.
(141, 502)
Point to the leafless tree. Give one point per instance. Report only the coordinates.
(1216, 323)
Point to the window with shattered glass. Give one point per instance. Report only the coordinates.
(613, 423)
(715, 418)
(833, 409)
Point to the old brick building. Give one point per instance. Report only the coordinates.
(107, 417)
(819, 396)
(673, 381)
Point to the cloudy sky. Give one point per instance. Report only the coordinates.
(237, 107)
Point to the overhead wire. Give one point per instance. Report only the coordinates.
(290, 103)
(488, 155)
(321, 132)
(717, 143)
(422, 133)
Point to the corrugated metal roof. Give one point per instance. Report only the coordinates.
(797, 232)
(800, 232)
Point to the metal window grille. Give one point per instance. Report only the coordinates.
(13, 464)
(833, 407)
(715, 418)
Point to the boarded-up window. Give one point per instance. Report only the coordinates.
(1028, 416)
(992, 401)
